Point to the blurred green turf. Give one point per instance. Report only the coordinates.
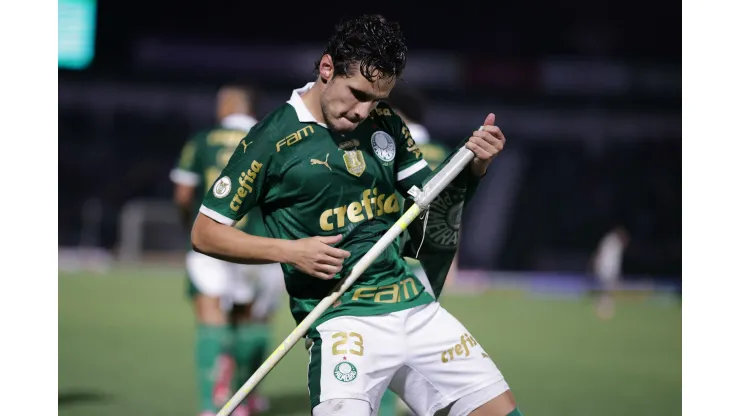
(125, 348)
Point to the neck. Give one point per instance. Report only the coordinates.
(312, 99)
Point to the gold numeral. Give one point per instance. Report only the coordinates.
(342, 341)
(358, 342)
(338, 347)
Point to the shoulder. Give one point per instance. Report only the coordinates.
(384, 114)
(277, 137)
(276, 126)
(387, 119)
(223, 137)
(384, 109)
(269, 127)
(287, 133)
(198, 137)
(191, 149)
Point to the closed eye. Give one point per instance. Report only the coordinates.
(362, 96)
(359, 95)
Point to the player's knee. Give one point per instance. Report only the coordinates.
(208, 310)
(337, 407)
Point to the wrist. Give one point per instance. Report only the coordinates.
(281, 251)
(478, 169)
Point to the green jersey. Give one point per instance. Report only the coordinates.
(203, 158)
(434, 153)
(310, 181)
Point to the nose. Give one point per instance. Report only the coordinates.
(361, 111)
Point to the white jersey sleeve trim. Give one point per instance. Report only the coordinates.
(183, 177)
(411, 170)
(216, 216)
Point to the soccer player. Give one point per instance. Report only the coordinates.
(325, 168)
(607, 266)
(232, 301)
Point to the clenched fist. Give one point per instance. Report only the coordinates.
(486, 144)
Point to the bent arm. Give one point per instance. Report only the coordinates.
(183, 197)
(227, 243)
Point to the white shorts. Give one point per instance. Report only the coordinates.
(259, 284)
(423, 354)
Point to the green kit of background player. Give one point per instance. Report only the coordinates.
(232, 301)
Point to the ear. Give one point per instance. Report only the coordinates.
(326, 68)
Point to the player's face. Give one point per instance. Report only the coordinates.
(347, 100)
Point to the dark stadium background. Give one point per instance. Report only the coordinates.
(587, 93)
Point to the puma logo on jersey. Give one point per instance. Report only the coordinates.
(325, 162)
(245, 144)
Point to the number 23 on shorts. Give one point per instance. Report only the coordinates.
(340, 346)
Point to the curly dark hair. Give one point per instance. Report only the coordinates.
(371, 42)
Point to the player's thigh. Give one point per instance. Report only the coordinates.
(446, 364)
(353, 358)
(208, 276)
(208, 310)
(271, 288)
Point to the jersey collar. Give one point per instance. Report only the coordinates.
(238, 122)
(419, 133)
(304, 116)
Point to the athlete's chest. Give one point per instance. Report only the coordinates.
(333, 182)
(335, 164)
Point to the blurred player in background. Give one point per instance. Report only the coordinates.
(232, 301)
(607, 267)
(408, 104)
